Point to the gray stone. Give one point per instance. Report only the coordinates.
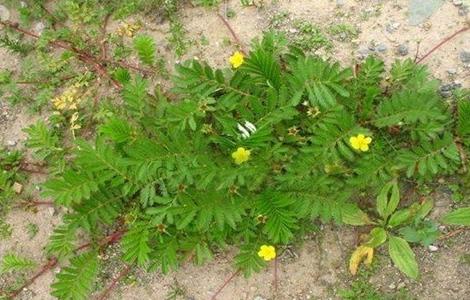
(433, 248)
(463, 11)
(11, 143)
(419, 10)
(340, 2)
(457, 2)
(363, 53)
(259, 298)
(392, 27)
(39, 27)
(382, 47)
(465, 56)
(402, 50)
(392, 286)
(4, 13)
(452, 71)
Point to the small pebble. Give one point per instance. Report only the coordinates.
(259, 298)
(392, 27)
(11, 143)
(17, 187)
(457, 2)
(4, 13)
(392, 286)
(402, 50)
(340, 2)
(382, 47)
(465, 56)
(39, 27)
(451, 71)
(401, 285)
(363, 53)
(433, 248)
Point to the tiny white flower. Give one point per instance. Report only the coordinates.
(250, 126)
(245, 136)
(305, 103)
(243, 131)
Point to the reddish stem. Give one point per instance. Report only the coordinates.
(51, 263)
(114, 282)
(234, 35)
(275, 276)
(226, 282)
(442, 43)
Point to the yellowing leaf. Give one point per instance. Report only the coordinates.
(361, 253)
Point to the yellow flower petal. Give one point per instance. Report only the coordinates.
(364, 147)
(237, 59)
(241, 155)
(368, 140)
(354, 142)
(267, 252)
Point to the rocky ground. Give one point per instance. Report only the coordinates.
(316, 268)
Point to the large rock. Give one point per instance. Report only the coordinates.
(420, 10)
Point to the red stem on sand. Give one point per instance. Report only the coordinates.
(234, 35)
(226, 282)
(52, 262)
(114, 282)
(447, 39)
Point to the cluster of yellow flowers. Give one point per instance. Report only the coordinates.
(128, 29)
(69, 99)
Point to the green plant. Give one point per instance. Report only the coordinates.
(14, 263)
(251, 156)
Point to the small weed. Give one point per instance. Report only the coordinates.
(32, 230)
(176, 291)
(343, 32)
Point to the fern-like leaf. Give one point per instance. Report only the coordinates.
(44, 141)
(248, 261)
(145, 47)
(319, 80)
(76, 280)
(135, 244)
(71, 188)
(13, 262)
(281, 218)
(430, 158)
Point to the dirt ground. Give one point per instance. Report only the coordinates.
(316, 269)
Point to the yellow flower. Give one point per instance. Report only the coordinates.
(358, 255)
(360, 142)
(127, 29)
(241, 155)
(236, 60)
(267, 252)
(68, 100)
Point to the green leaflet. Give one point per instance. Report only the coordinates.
(76, 280)
(402, 256)
(460, 216)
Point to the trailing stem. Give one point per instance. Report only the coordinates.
(447, 39)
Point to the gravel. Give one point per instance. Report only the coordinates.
(465, 56)
(403, 50)
(382, 47)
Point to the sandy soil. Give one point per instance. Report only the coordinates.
(318, 268)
